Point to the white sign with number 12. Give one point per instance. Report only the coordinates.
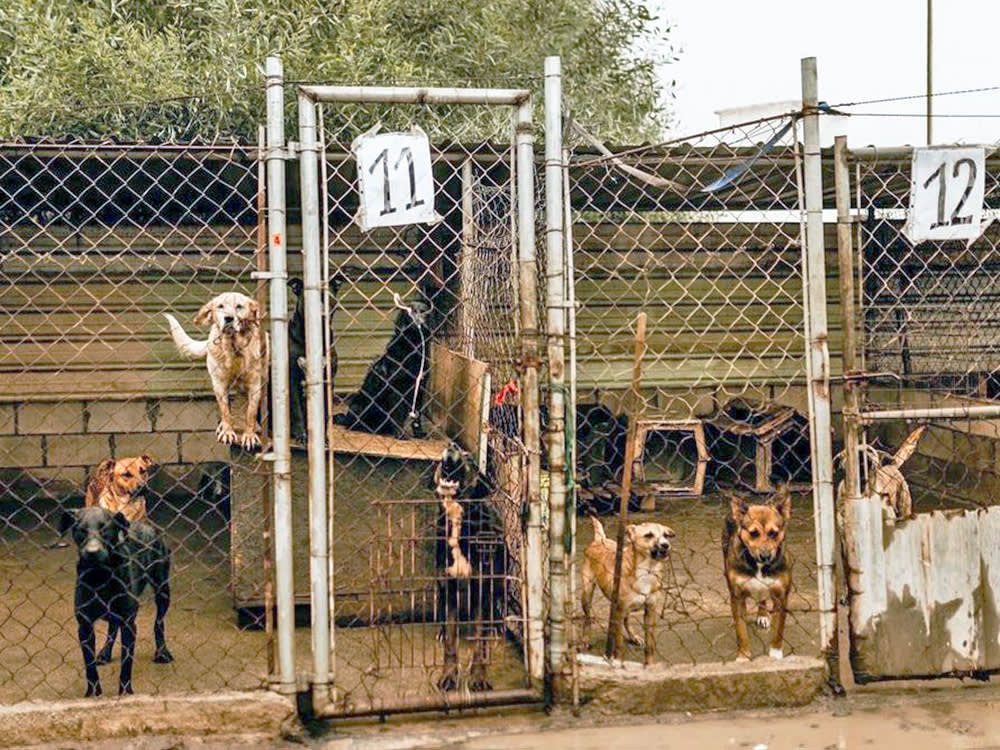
(395, 179)
(946, 194)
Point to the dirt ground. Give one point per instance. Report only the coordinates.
(963, 718)
(39, 652)
(697, 625)
(40, 658)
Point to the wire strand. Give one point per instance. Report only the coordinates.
(957, 92)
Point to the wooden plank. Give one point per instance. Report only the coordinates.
(353, 442)
(457, 386)
(107, 383)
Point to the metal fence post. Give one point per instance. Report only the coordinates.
(555, 299)
(284, 579)
(312, 281)
(845, 258)
(527, 270)
(818, 363)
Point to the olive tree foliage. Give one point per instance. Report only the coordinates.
(181, 70)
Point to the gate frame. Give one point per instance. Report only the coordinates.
(519, 100)
(855, 417)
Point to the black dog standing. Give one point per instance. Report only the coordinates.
(472, 556)
(297, 355)
(395, 385)
(116, 561)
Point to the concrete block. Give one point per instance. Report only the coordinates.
(75, 721)
(161, 446)
(118, 416)
(76, 450)
(202, 446)
(50, 418)
(21, 450)
(201, 414)
(631, 688)
(8, 419)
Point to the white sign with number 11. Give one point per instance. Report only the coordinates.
(395, 179)
(946, 194)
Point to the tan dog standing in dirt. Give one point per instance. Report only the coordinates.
(642, 586)
(235, 353)
(757, 566)
(117, 486)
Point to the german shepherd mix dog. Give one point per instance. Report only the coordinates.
(758, 567)
(392, 393)
(642, 586)
(117, 486)
(117, 559)
(472, 557)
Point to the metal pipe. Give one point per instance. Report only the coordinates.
(818, 355)
(941, 412)
(930, 72)
(527, 279)
(312, 282)
(845, 261)
(280, 420)
(328, 393)
(441, 702)
(416, 95)
(557, 667)
(571, 427)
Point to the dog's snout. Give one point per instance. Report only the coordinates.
(661, 549)
(93, 548)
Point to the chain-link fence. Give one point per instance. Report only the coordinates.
(927, 315)
(97, 242)
(423, 332)
(704, 236)
(921, 408)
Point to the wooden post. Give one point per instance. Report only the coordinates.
(626, 489)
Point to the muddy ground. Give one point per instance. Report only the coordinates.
(40, 657)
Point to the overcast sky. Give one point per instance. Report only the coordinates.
(735, 53)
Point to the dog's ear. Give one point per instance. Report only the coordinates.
(670, 532)
(783, 501)
(68, 519)
(204, 316)
(150, 462)
(630, 533)
(100, 477)
(253, 311)
(739, 506)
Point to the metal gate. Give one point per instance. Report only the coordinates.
(922, 430)
(407, 341)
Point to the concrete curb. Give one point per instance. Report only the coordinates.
(631, 688)
(100, 719)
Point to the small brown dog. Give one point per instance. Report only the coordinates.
(117, 486)
(642, 586)
(758, 567)
(236, 354)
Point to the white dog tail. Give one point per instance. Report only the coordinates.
(599, 535)
(185, 344)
